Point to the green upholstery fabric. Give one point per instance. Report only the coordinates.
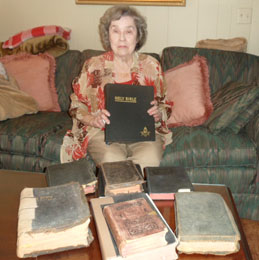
(229, 102)
(32, 141)
(244, 117)
(224, 66)
(197, 147)
(252, 129)
(68, 67)
(30, 138)
(247, 205)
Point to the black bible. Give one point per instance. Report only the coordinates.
(129, 120)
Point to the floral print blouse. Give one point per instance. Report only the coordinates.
(88, 97)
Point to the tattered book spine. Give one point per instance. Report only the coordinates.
(50, 222)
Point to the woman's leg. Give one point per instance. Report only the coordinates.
(102, 152)
(146, 153)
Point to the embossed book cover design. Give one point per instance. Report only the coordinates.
(121, 177)
(135, 226)
(78, 171)
(164, 182)
(52, 219)
(128, 105)
(205, 224)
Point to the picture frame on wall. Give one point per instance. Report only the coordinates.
(135, 2)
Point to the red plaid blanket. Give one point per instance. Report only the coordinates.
(19, 38)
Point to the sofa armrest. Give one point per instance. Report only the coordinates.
(252, 129)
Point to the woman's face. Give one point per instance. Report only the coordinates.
(123, 36)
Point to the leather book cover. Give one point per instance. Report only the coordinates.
(80, 171)
(101, 182)
(135, 226)
(164, 182)
(129, 120)
(108, 246)
(119, 175)
(205, 224)
(57, 217)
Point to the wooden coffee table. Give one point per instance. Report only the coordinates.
(12, 182)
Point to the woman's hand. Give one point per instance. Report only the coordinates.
(154, 111)
(100, 119)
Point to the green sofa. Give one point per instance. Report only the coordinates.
(32, 142)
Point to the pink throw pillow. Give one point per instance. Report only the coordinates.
(188, 88)
(35, 75)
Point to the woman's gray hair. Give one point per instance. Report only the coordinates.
(115, 13)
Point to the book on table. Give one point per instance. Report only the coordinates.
(52, 219)
(131, 227)
(205, 224)
(80, 171)
(164, 182)
(129, 120)
(120, 177)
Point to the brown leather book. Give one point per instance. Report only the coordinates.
(121, 177)
(135, 226)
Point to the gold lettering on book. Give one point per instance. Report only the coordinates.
(145, 132)
(125, 99)
(46, 197)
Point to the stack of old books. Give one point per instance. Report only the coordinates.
(52, 219)
(131, 226)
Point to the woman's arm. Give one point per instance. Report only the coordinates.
(82, 103)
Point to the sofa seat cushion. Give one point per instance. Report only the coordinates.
(238, 179)
(28, 135)
(197, 147)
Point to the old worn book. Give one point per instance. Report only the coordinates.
(135, 226)
(164, 182)
(121, 177)
(129, 120)
(80, 171)
(145, 248)
(52, 219)
(204, 224)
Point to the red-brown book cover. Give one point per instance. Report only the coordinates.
(108, 246)
(135, 226)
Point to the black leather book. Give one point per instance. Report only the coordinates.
(77, 171)
(164, 182)
(128, 105)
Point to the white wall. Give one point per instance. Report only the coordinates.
(167, 25)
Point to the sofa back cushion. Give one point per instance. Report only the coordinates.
(88, 53)
(68, 66)
(223, 65)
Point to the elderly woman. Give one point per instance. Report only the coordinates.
(123, 32)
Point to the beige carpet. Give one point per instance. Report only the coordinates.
(251, 229)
